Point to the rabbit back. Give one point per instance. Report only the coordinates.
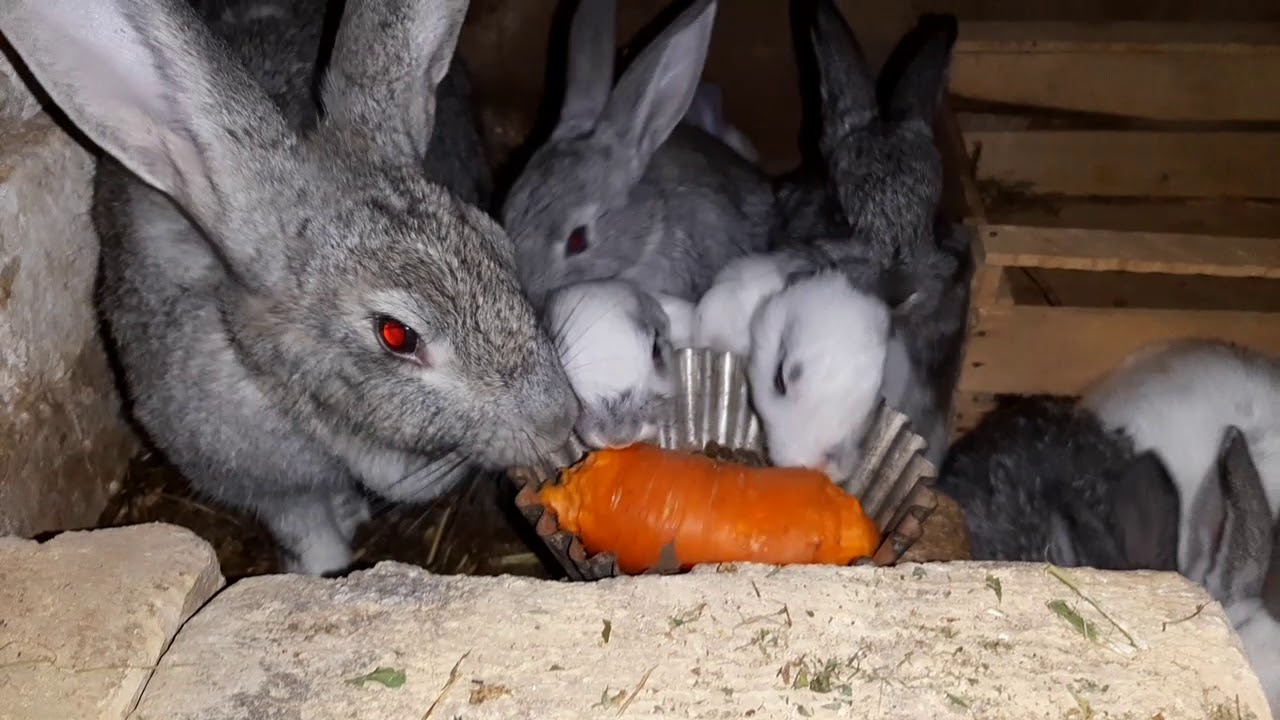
(1178, 397)
(1027, 461)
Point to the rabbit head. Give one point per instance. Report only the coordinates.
(614, 342)
(364, 301)
(877, 137)
(818, 350)
(1138, 529)
(722, 317)
(578, 210)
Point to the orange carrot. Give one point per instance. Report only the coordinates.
(638, 501)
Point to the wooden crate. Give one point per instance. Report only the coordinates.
(1124, 182)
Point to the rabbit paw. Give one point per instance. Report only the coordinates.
(308, 533)
(350, 511)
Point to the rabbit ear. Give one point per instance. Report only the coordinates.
(1145, 513)
(656, 90)
(1271, 583)
(592, 45)
(389, 57)
(146, 81)
(915, 75)
(844, 79)
(707, 109)
(1231, 527)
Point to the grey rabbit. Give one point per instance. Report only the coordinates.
(1041, 480)
(885, 179)
(623, 189)
(297, 311)
(877, 132)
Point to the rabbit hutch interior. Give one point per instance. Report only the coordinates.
(1009, 269)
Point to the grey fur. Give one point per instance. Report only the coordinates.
(880, 151)
(246, 250)
(663, 204)
(1231, 525)
(1041, 480)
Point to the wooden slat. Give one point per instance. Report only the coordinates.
(1138, 252)
(1057, 350)
(1163, 71)
(1133, 164)
(1121, 36)
(1203, 217)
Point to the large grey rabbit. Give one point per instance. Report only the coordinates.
(622, 188)
(1041, 480)
(297, 311)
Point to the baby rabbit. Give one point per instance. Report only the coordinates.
(298, 313)
(1041, 480)
(1175, 398)
(614, 342)
(619, 191)
(817, 358)
(1233, 546)
(722, 317)
(885, 170)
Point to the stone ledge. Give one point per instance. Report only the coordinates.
(87, 615)
(909, 642)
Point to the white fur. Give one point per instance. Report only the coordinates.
(837, 337)
(1260, 635)
(605, 352)
(722, 319)
(680, 314)
(1178, 398)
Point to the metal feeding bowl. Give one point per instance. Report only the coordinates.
(712, 414)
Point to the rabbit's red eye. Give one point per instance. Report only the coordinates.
(577, 241)
(396, 336)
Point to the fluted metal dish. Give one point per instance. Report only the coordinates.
(712, 414)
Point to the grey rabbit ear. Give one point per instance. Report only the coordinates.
(1231, 524)
(389, 57)
(845, 80)
(707, 109)
(1271, 583)
(657, 88)
(592, 45)
(147, 82)
(1144, 515)
(915, 75)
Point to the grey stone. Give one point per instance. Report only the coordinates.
(913, 641)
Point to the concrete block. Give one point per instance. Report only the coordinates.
(86, 616)
(916, 641)
(62, 439)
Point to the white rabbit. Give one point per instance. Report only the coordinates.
(614, 343)
(816, 367)
(722, 318)
(680, 316)
(1177, 398)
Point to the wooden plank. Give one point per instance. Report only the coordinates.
(1119, 36)
(1059, 350)
(1132, 164)
(1163, 71)
(1226, 217)
(1137, 252)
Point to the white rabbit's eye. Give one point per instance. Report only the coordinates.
(658, 359)
(395, 336)
(577, 242)
(779, 381)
